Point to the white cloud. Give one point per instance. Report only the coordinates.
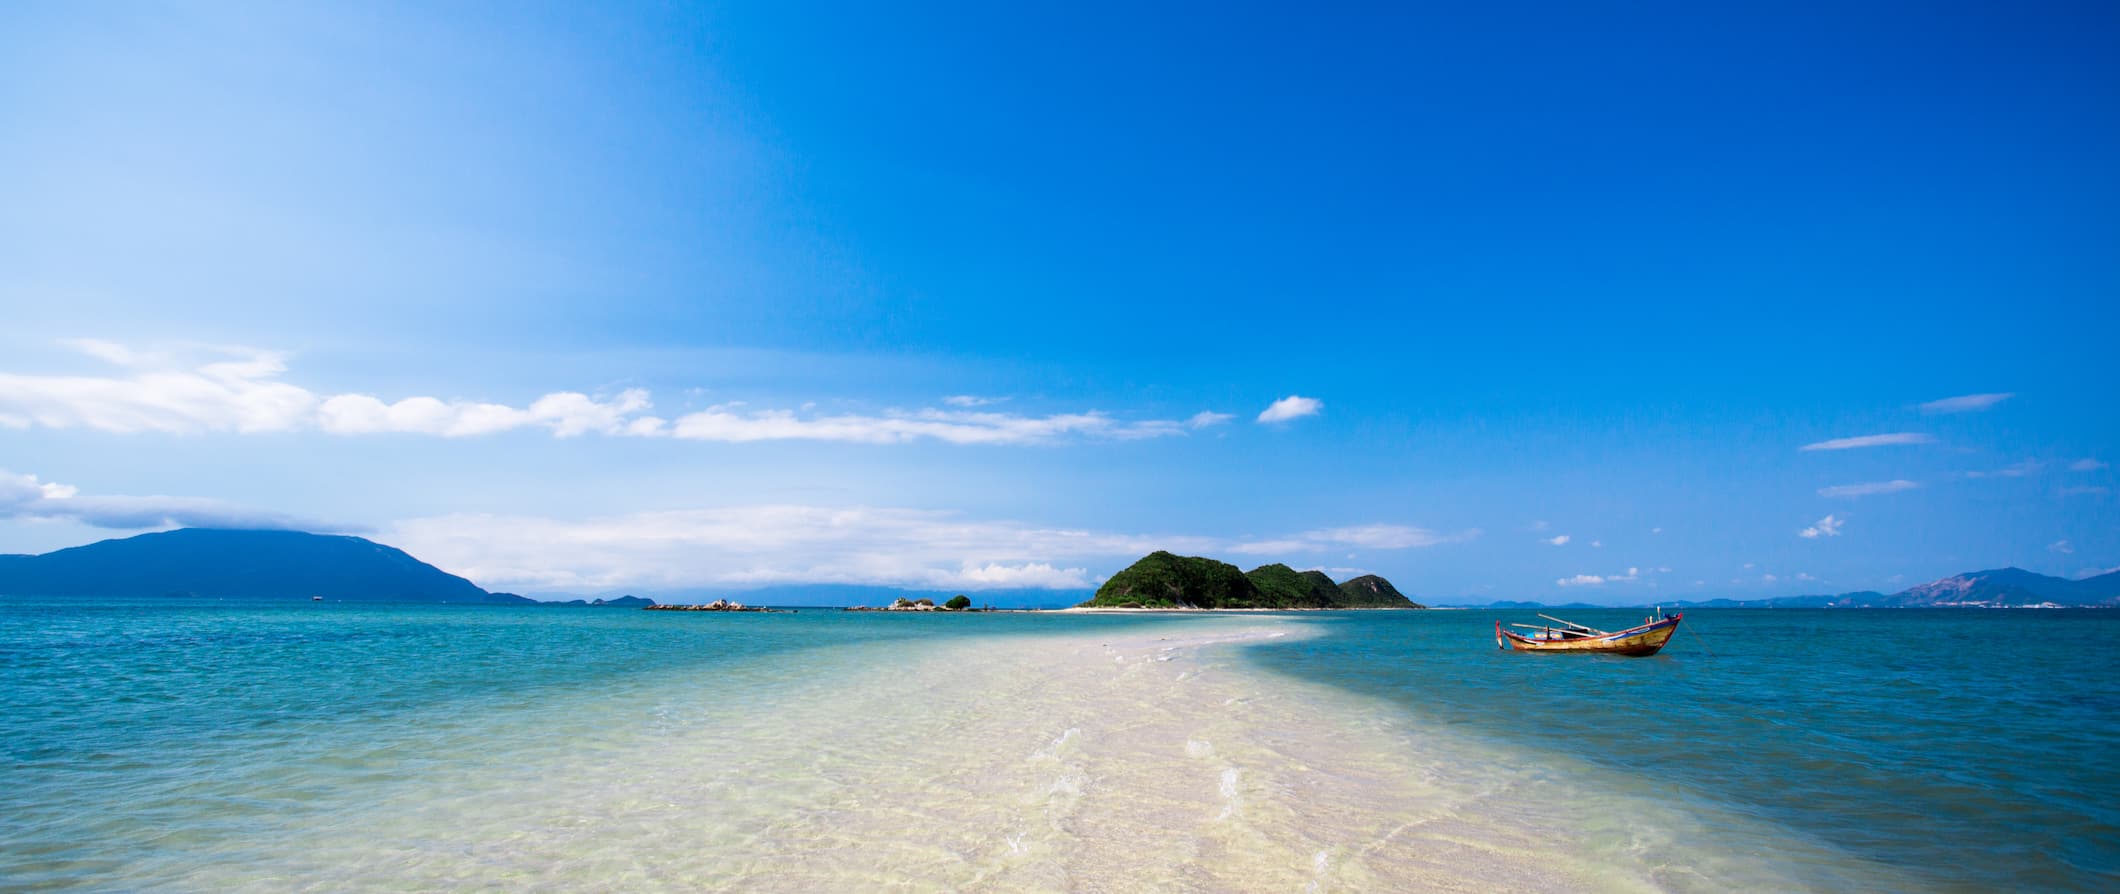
(1656, 530)
(1768, 578)
(949, 426)
(971, 400)
(1966, 402)
(1826, 527)
(1597, 544)
(2094, 572)
(1029, 575)
(1868, 488)
(2013, 470)
(23, 496)
(1291, 407)
(2086, 464)
(1362, 536)
(2087, 490)
(1885, 440)
(1805, 576)
(567, 414)
(1558, 540)
(200, 390)
(745, 546)
(1594, 580)
(2061, 546)
(1206, 419)
(229, 390)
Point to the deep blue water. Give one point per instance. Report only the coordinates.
(1969, 749)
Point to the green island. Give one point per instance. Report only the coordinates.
(1164, 580)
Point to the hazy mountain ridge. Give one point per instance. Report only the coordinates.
(239, 564)
(1994, 588)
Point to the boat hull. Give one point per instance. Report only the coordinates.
(1643, 640)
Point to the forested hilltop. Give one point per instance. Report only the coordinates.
(1164, 580)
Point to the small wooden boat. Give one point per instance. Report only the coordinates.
(1568, 636)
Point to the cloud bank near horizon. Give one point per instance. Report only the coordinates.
(753, 546)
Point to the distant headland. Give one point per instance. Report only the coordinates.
(1165, 580)
(252, 564)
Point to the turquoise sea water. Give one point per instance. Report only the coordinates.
(209, 746)
(1963, 748)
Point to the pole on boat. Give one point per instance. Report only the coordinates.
(1574, 625)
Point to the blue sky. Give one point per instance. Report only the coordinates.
(639, 299)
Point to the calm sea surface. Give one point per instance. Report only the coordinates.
(210, 745)
(1966, 748)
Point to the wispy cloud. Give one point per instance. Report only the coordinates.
(731, 425)
(1208, 419)
(2082, 490)
(1558, 540)
(1291, 407)
(1595, 580)
(24, 496)
(2086, 464)
(971, 400)
(2094, 572)
(1868, 488)
(1966, 403)
(1884, 440)
(2060, 546)
(1826, 527)
(240, 390)
(1359, 537)
(2014, 470)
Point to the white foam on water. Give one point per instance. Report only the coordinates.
(1010, 763)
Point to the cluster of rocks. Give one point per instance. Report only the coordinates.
(718, 605)
(923, 604)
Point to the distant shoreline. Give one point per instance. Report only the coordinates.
(1182, 610)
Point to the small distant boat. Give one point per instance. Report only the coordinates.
(316, 599)
(1568, 636)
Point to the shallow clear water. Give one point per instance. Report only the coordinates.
(1976, 749)
(200, 746)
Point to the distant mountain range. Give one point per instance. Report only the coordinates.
(292, 565)
(1996, 588)
(273, 565)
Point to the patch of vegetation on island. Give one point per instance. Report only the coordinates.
(1164, 580)
(1283, 587)
(1371, 591)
